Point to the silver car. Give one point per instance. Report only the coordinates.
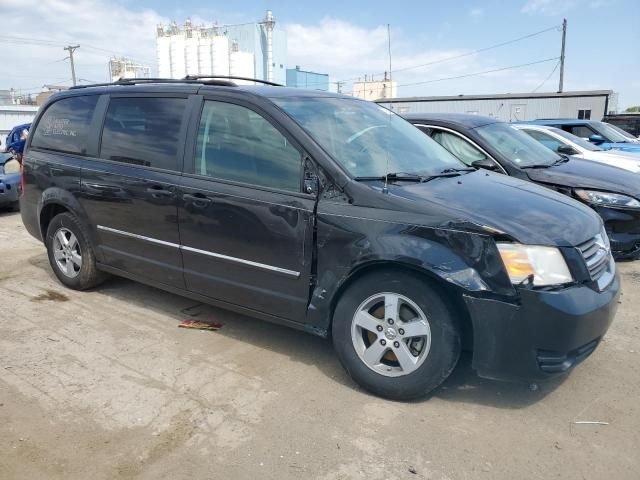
(567, 144)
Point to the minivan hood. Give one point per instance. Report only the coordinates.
(577, 173)
(529, 213)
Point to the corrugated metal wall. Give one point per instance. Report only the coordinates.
(508, 109)
(12, 115)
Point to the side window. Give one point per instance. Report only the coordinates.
(581, 131)
(547, 140)
(235, 143)
(143, 131)
(458, 146)
(64, 126)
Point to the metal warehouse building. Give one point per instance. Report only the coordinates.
(12, 115)
(512, 107)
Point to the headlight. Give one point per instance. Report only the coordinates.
(546, 264)
(607, 199)
(12, 166)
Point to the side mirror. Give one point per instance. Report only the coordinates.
(597, 139)
(567, 150)
(485, 163)
(311, 184)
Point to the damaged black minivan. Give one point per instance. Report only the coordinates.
(321, 212)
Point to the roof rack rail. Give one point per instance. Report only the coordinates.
(138, 81)
(231, 77)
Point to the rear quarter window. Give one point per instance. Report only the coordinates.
(64, 126)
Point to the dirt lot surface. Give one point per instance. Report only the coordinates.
(103, 385)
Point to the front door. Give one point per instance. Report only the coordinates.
(246, 228)
(131, 191)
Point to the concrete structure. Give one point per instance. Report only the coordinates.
(303, 79)
(122, 67)
(375, 89)
(257, 50)
(511, 107)
(12, 115)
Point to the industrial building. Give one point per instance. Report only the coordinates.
(298, 78)
(255, 50)
(513, 107)
(122, 67)
(12, 115)
(371, 89)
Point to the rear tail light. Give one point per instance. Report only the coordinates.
(22, 177)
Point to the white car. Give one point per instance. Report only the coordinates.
(567, 144)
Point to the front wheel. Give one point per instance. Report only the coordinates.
(395, 334)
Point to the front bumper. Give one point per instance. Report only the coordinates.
(623, 228)
(548, 333)
(9, 189)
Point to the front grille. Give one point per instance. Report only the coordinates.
(597, 255)
(557, 362)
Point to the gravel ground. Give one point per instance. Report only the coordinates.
(103, 385)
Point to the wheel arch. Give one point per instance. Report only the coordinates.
(452, 292)
(55, 201)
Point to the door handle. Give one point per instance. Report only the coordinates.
(197, 199)
(157, 191)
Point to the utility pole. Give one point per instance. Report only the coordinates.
(71, 49)
(389, 45)
(564, 39)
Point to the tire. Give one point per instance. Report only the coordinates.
(423, 311)
(79, 274)
(14, 207)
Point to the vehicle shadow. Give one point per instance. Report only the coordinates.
(462, 386)
(8, 211)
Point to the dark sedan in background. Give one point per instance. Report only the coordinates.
(485, 142)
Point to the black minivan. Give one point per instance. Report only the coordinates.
(322, 212)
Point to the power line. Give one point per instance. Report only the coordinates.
(475, 73)
(48, 43)
(473, 52)
(511, 67)
(548, 77)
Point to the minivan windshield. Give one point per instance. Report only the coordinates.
(517, 146)
(366, 139)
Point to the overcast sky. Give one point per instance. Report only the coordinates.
(349, 39)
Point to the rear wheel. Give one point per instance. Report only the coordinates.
(395, 335)
(70, 254)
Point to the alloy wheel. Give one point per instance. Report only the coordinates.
(391, 334)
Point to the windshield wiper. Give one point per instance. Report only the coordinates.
(393, 177)
(561, 160)
(448, 172)
(454, 170)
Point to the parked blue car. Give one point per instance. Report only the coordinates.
(600, 133)
(17, 138)
(9, 181)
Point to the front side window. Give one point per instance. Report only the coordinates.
(236, 143)
(516, 146)
(64, 126)
(458, 146)
(143, 131)
(581, 142)
(547, 140)
(581, 131)
(367, 139)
